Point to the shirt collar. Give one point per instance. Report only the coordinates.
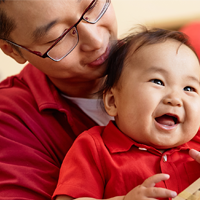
(43, 90)
(117, 142)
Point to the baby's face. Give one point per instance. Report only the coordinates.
(157, 98)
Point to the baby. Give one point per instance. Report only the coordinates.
(153, 91)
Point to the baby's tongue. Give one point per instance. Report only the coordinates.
(165, 120)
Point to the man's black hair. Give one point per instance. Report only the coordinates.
(7, 25)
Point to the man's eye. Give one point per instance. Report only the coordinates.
(93, 5)
(52, 41)
(157, 81)
(189, 89)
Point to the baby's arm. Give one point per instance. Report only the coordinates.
(144, 191)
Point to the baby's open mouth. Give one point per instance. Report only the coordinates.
(167, 120)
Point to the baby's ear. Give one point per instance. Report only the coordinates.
(109, 103)
(9, 50)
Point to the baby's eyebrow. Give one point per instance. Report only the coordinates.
(194, 79)
(156, 69)
(41, 31)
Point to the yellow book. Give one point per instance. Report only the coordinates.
(192, 192)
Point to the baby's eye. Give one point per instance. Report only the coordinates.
(189, 89)
(157, 81)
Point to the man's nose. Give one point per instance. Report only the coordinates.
(173, 99)
(90, 36)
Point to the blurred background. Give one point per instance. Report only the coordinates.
(169, 14)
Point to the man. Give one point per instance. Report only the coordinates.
(47, 105)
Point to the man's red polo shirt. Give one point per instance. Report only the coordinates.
(37, 127)
(103, 162)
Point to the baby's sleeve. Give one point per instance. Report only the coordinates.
(81, 173)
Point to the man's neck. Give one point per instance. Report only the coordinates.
(82, 89)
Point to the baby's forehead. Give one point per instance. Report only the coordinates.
(144, 50)
(159, 53)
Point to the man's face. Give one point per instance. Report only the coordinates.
(158, 95)
(40, 23)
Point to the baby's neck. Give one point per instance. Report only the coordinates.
(162, 150)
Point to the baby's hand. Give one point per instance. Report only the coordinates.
(148, 191)
(195, 155)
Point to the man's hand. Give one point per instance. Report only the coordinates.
(148, 191)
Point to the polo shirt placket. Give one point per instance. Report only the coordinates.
(118, 164)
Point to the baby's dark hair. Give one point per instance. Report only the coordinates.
(135, 41)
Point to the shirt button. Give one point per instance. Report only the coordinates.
(165, 158)
(142, 149)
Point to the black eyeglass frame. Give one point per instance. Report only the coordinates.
(64, 33)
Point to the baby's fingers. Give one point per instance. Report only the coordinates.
(195, 155)
(147, 190)
(154, 193)
(151, 181)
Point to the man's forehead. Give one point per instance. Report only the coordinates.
(36, 6)
(36, 17)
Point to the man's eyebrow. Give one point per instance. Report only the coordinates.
(39, 32)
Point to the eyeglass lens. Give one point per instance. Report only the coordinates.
(70, 40)
(65, 45)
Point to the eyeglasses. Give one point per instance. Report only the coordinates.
(69, 39)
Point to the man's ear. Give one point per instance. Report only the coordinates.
(12, 52)
(109, 103)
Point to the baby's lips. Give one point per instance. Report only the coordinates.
(167, 120)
